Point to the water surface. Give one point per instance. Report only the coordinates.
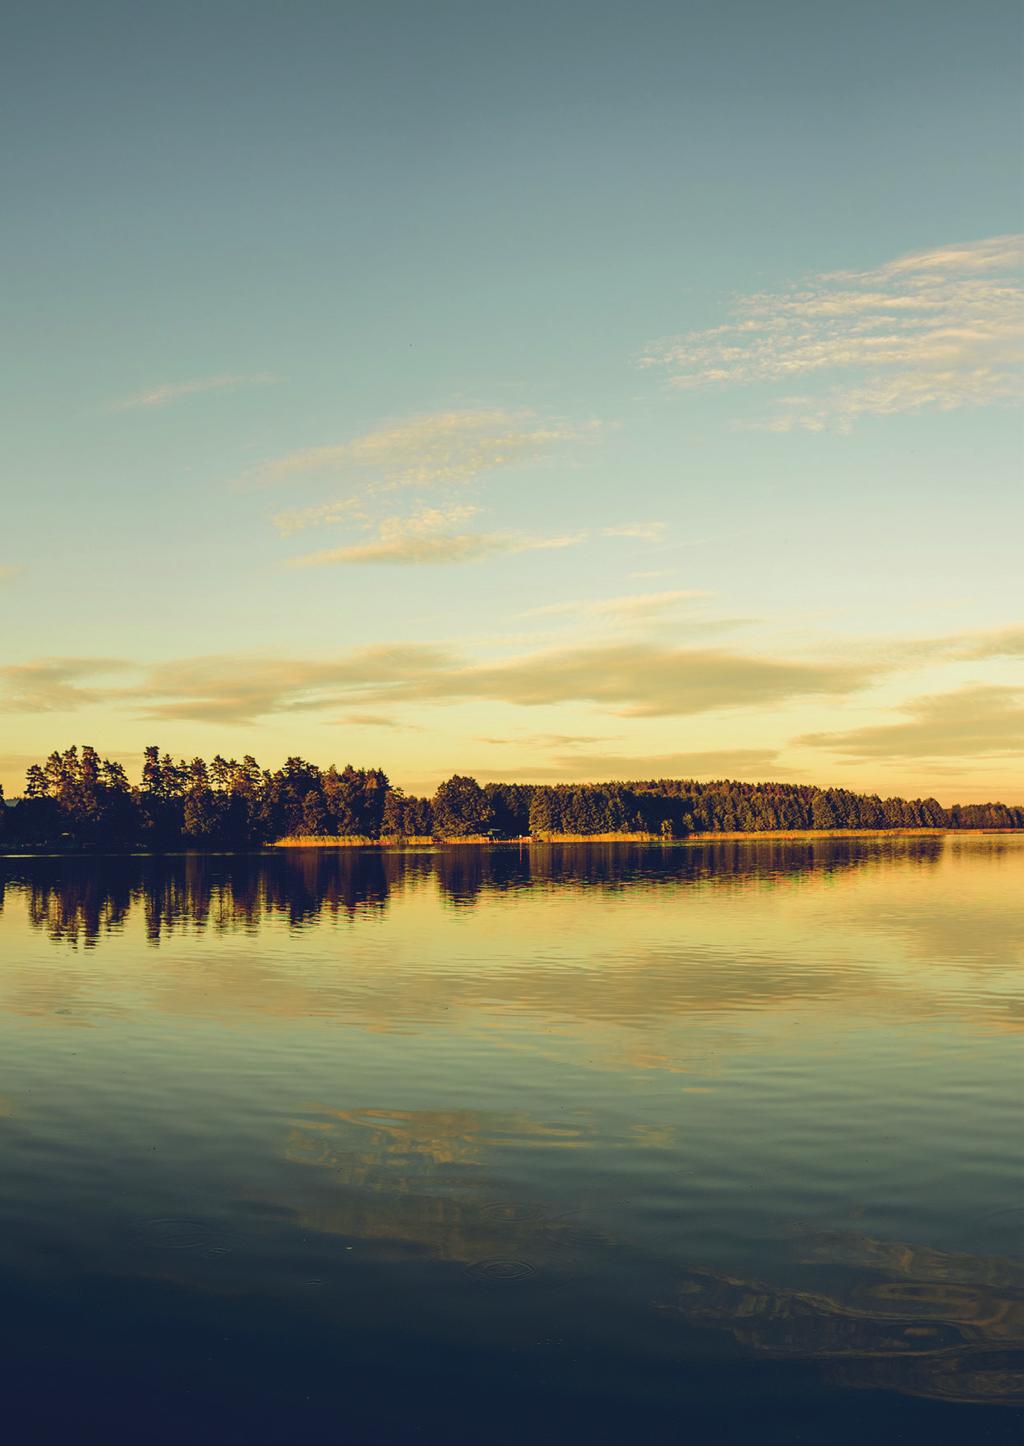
(710, 1143)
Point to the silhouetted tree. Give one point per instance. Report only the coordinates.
(461, 808)
(78, 799)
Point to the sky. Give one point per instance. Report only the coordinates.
(547, 391)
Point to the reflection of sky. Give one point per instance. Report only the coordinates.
(894, 1314)
(889, 936)
(781, 1100)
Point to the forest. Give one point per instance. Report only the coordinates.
(76, 799)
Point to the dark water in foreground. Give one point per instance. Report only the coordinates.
(605, 1145)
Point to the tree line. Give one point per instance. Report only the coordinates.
(78, 799)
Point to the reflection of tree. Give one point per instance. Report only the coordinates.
(465, 873)
(79, 905)
(688, 963)
(79, 899)
(893, 1315)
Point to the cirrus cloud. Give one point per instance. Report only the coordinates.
(938, 329)
(159, 396)
(428, 450)
(428, 537)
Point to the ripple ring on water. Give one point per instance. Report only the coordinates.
(500, 1272)
(180, 1232)
(515, 1214)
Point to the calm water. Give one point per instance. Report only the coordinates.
(610, 1145)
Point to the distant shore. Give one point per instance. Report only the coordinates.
(425, 841)
(480, 840)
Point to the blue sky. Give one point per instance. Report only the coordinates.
(540, 390)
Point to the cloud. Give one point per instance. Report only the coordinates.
(413, 551)
(426, 537)
(441, 448)
(633, 607)
(1005, 642)
(743, 763)
(938, 329)
(8, 570)
(166, 392)
(641, 531)
(646, 679)
(634, 680)
(967, 646)
(971, 722)
(327, 514)
(241, 689)
(48, 685)
(546, 740)
(374, 720)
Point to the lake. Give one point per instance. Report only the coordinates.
(605, 1144)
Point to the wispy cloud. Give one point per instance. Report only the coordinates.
(326, 514)
(547, 740)
(1005, 642)
(449, 448)
(630, 608)
(638, 678)
(159, 396)
(376, 720)
(630, 680)
(971, 722)
(47, 685)
(241, 689)
(428, 537)
(637, 681)
(647, 679)
(744, 763)
(937, 329)
(640, 531)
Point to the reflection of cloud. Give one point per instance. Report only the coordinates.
(900, 1316)
(970, 722)
(416, 1181)
(905, 956)
(924, 932)
(938, 329)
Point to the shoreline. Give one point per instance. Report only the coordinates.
(543, 840)
(422, 843)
